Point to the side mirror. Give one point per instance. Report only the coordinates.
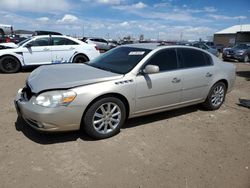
(29, 45)
(151, 69)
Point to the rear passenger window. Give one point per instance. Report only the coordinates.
(165, 59)
(208, 59)
(192, 58)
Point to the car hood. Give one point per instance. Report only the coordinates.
(9, 45)
(64, 76)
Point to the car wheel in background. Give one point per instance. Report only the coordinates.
(80, 59)
(215, 97)
(246, 58)
(104, 118)
(9, 64)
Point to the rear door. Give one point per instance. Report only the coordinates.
(37, 52)
(196, 73)
(62, 49)
(159, 90)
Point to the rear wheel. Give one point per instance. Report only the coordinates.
(215, 97)
(9, 64)
(80, 59)
(104, 118)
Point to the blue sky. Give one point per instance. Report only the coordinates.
(164, 19)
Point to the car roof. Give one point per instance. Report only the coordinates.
(149, 46)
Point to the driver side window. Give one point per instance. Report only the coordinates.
(166, 60)
(40, 42)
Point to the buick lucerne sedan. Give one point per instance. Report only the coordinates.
(126, 82)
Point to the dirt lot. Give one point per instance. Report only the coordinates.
(185, 148)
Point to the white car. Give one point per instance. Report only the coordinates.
(102, 44)
(46, 49)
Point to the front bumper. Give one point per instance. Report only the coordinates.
(233, 56)
(63, 118)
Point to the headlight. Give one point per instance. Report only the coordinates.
(55, 98)
(240, 52)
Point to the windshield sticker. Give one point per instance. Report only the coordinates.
(136, 53)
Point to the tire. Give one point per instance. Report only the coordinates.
(246, 58)
(80, 59)
(9, 64)
(215, 97)
(101, 115)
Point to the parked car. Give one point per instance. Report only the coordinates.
(5, 29)
(219, 47)
(240, 52)
(46, 33)
(102, 44)
(201, 45)
(45, 49)
(125, 82)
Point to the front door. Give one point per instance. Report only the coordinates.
(37, 52)
(159, 90)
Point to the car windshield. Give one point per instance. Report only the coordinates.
(240, 46)
(24, 41)
(120, 60)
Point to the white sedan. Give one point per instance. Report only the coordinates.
(46, 49)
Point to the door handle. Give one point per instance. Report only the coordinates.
(209, 74)
(46, 49)
(176, 80)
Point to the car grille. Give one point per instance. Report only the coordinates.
(27, 93)
(230, 52)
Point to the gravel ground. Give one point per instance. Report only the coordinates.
(185, 148)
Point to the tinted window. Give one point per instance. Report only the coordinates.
(165, 59)
(63, 41)
(120, 60)
(208, 59)
(40, 42)
(191, 58)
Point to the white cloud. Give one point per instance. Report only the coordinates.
(68, 18)
(110, 2)
(224, 17)
(210, 9)
(124, 24)
(139, 5)
(159, 5)
(43, 19)
(35, 5)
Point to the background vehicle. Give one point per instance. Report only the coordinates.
(102, 44)
(240, 52)
(201, 45)
(46, 49)
(126, 82)
(46, 33)
(5, 29)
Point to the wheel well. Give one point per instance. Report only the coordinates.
(82, 55)
(224, 81)
(13, 57)
(116, 95)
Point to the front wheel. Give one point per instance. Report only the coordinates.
(104, 118)
(246, 58)
(215, 97)
(9, 64)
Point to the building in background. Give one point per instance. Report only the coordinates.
(233, 35)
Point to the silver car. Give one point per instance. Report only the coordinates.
(126, 82)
